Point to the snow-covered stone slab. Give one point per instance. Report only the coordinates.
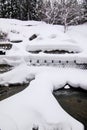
(45, 47)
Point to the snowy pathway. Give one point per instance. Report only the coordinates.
(36, 106)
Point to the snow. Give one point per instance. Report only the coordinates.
(38, 96)
(36, 106)
(50, 47)
(2, 50)
(49, 37)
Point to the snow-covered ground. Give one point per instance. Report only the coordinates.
(36, 106)
(49, 38)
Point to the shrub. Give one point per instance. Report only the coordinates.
(3, 35)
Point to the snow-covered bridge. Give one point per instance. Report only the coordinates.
(37, 60)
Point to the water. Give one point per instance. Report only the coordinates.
(7, 91)
(5, 68)
(11, 89)
(74, 102)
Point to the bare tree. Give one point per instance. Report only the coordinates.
(70, 13)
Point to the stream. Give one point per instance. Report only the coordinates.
(74, 102)
(5, 68)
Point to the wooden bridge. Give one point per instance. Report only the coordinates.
(36, 60)
(58, 63)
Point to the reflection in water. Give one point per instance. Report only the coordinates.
(73, 101)
(7, 91)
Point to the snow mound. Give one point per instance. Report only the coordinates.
(45, 47)
(36, 105)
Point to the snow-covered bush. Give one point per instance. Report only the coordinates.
(3, 35)
(14, 31)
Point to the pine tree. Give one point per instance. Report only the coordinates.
(8, 9)
(85, 10)
(3, 8)
(33, 9)
(20, 7)
(65, 12)
(0, 10)
(41, 10)
(14, 9)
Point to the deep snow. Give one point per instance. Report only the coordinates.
(36, 106)
(49, 37)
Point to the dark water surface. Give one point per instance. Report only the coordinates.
(7, 91)
(11, 89)
(74, 102)
(5, 68)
